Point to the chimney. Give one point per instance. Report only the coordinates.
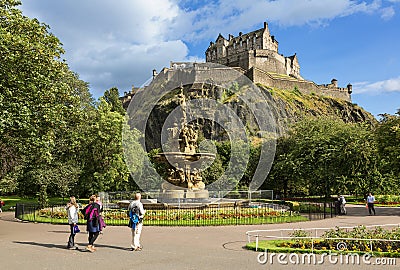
(265, 25)
(154, 73)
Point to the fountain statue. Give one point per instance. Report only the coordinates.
(183, 178)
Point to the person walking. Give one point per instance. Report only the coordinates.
(1, 205)
(136, 213)
(342, 205)
(72, 209)
(91, 213)
(370, 203)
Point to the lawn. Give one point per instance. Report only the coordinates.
(11, 201)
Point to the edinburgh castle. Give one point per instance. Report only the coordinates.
(255, 54)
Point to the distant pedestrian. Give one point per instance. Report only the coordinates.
(136, 213)
(91, 213)
(342, 205)
(1, 205)
(370, 204)
(72, 209)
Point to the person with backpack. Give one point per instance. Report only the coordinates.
(136, 213)
(91, 214)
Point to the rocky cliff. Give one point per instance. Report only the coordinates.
(287, 107)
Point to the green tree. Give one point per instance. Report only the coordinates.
(387, 135)
(105, 167)
(327, 156)
(112, 98)
(388, 139)
(41, 102)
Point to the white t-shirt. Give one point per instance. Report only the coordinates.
(370, 199)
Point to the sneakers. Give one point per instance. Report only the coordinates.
(75, 247)
(90, 248)
(136, 248)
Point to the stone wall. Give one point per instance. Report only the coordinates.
(304, 86)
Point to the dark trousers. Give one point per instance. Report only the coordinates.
(71, 240)
(371, 208)
(92, 237)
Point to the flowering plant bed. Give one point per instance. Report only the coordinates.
(378, 241)
(179, 217)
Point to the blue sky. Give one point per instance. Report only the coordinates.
(118, 43)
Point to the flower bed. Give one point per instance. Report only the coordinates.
(378, 241)
(180, 217)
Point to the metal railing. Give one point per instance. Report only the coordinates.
(179, 215)
(153, 194)
(315, 234)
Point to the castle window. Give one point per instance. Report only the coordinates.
(234, 45)
(241, 43)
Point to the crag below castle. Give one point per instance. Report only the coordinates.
(288, 106)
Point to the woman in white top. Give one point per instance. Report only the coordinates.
(72, 209)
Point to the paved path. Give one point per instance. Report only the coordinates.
(42, 246)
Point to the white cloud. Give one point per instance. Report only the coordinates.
(112, 43)
(390, 85)
(387, 13)
(118, 43)
(229, 16)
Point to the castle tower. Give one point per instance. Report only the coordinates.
(256, 49)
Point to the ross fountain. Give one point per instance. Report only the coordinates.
(184, 163)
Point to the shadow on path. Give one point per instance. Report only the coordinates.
(235, 245)
(42, 244)
(82, 248)
(107, 246)
(361, 211)
(63, 232)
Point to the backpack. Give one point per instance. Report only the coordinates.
(133, 218)
(90, 212)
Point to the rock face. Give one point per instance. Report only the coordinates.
(291, 106)
(287, 107)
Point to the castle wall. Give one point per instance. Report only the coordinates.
(305, 87)
(268, 60)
